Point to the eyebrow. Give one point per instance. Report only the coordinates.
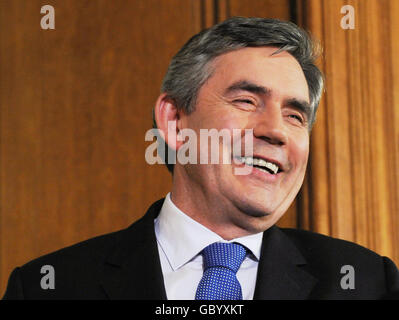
(246, 86)
(300, 105)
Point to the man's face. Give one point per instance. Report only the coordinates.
(252, 89)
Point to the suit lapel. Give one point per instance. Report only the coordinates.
(280, 273)
(133, 269)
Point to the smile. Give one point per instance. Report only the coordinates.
(260, 164)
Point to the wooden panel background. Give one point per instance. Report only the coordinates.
(76, 102)
(351, 190)
(75, 105)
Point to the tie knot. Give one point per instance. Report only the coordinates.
(228, 255)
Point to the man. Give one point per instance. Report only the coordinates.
(214, 236)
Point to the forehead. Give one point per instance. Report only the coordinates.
(281, 73)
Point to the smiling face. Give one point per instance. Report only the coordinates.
(249, 89)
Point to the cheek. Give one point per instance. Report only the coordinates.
(300, 151)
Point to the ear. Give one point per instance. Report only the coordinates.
(167, 118)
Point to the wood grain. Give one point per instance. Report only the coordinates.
(352, 189)
(75, 105)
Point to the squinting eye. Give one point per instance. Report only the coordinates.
(294, 116)
(245, 104)
(244, 101)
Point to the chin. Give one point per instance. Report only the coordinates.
(255, 222)
(263, 207)
(254, 207)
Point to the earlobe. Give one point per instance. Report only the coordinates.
(167, 120)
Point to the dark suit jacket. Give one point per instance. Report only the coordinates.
(295, 264)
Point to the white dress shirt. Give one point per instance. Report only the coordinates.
(180, 241)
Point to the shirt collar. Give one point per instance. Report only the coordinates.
(182, 238)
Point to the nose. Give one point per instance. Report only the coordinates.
(270, 127)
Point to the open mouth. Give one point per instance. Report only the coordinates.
(261, 164)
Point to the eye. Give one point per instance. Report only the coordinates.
(245, 104)
(248, 101)
(297, 117)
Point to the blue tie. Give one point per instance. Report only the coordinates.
(221, 263)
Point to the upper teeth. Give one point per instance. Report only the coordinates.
(260, 162)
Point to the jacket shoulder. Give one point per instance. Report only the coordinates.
(79, 269)
(74, 268)
(90, 250)
(331, 260)
(308, 242)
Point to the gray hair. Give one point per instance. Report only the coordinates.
(191, 67)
